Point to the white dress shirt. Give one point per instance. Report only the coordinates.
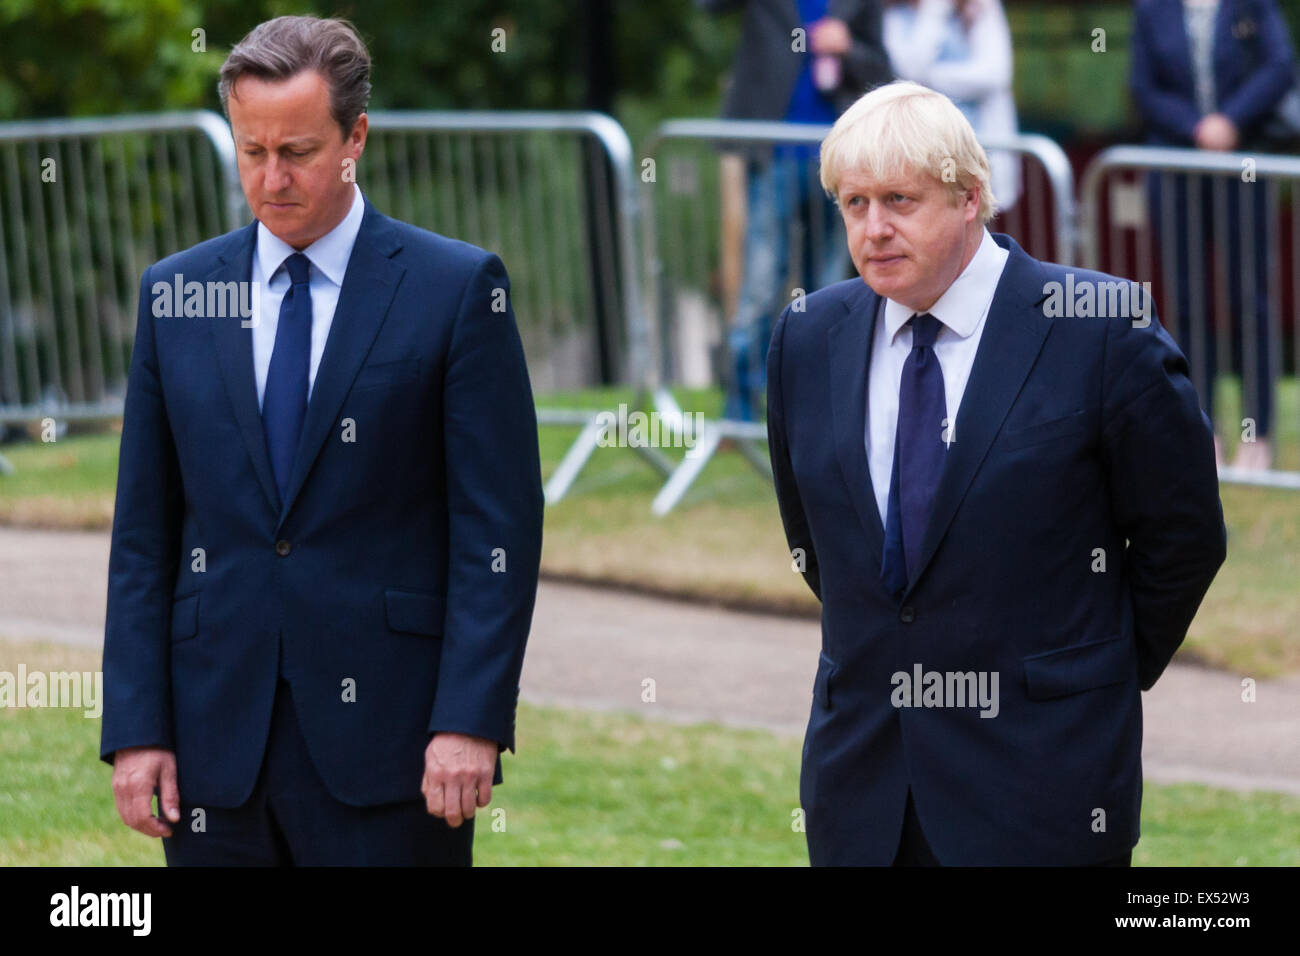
(329, 261)
(962, 310)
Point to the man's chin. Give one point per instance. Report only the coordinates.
(282, 227)
(281, 214)
(883, 283)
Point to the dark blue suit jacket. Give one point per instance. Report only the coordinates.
(402, 563)
(1073, 434)
(1253, 67)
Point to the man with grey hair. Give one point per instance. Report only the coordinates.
(328, 524)
(1009, 511)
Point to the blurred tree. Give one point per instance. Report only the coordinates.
(646, 61)
(83, 57)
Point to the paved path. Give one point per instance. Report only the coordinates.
(593, 648)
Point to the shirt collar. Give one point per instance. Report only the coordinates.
(329, 254)
(963, 303)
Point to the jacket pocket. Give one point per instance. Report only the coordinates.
(1046, 431)
(1080, 667)
(826, 669)
(379, 374)
(185, 617)
(414, 612)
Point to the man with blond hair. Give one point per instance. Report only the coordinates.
(329, 517)
(1007, 507)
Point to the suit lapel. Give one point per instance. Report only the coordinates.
(848, 344)
(368, 287)
(234, 349)
(1013, 336)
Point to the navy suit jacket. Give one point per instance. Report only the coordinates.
(401, 568)
(1073, 434)
(1253, 67)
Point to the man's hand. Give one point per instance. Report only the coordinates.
(458, 772)
(829, 36)
(1215, 131)
(137, 773)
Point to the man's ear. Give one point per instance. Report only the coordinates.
(360, 129)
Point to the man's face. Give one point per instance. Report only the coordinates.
(291, 154)
(908, 240)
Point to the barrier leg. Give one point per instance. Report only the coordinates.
(588, 440)
(706, 444)
(572, 462)
(759, 459)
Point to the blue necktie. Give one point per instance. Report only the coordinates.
(284, 401)
(919, 447)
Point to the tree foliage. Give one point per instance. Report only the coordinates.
(95, 57)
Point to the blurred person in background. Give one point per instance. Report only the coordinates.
(961, 49)
(1210, 74)
(798, 61)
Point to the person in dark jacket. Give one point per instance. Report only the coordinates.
(1209, 74)
(1009, 515)
(798, 61)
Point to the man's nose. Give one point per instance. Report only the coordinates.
(276, 177)
(879, 226)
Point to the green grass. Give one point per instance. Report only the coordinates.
(1286, 418)
(616, 790)
(1193, 825)
(68, 483)
(586, 788)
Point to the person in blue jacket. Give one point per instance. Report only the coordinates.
(1209, 74)
(798, 61)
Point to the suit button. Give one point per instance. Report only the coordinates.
(282, 548)
(907, 615)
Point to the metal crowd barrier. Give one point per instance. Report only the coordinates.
(554, 194)
(613, 280)
(695, 205)
(1205, 230)
(85, 205)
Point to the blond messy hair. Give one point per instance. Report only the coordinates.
(903, 127)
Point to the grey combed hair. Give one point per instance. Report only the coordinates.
(285, 46)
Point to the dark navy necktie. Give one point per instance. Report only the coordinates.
(919, 448)
(284, 401)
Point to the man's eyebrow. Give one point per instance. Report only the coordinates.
(876, 189)
(307, 140)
